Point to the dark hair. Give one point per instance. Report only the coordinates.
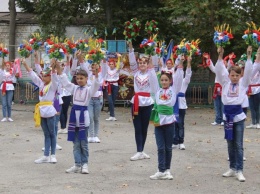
(82, 72)
(236, 69)
(167, 73)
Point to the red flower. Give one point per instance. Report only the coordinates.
(0, 48)
(5, 51)
(100, 40)
(246, 32)
(230, 35)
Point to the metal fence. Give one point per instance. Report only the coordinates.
(197, 94)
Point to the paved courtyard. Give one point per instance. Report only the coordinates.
(197, 169)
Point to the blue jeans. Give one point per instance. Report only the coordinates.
(164, 138)
(64, 111)
(235, 147)
(7, 103)
(218, 106)
(178, 137)
(112, 99)
(94, 109)
(254, 104)
(141, 122)
(48, 128)
(80, 149)
(57, 120)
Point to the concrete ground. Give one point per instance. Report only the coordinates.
(198, 169)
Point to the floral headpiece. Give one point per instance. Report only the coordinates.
(70, 46)
(149, 45)
(25, 50)
(36, 41)
(222, 35)
(252, 35)
(55, 49)
(132, 29)
(187, 48)
(46, 71)
(3, 51)
(97, 50)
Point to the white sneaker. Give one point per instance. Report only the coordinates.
(97, 140)
(182, 146)
(175, 146)
(222, 123)
(159, 176)
(58, 147)
(12, 102)
(10, 119)
(258, 126)
(91, 140)
(146, 156)
(73, 169)
(111, 119)
(251, 126)
(240, 176)
(84, 169)
(4, 120)
(53, 159)
(137, 156)
(229, 173)
(62, 131)
(43, 159)
(244, 159)
(168, 174)
(214, 123)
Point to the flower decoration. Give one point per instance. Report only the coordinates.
(187, 48)
(25, 50)
(97, 50)
(36, 41)
(252, 35)
(151, 27)
(57, 51)
(70, 47)
(149, 46)
(82, 44)
(222, 35)
(3, 51)
(132, 29)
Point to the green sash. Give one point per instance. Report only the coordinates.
(160, 109)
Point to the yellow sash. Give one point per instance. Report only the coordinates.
(37, 115)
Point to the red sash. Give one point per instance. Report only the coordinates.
(109, 86)
(215, 92)
(4, 86)
(136, 100)
(249, 91)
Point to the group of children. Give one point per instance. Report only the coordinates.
(158, 98)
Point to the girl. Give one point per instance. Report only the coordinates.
(181, 105)
(145, 81)
(7, 90)
(110, 73)
(163, 118)
(45, 112)
(233, 95)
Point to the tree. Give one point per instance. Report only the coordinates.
(12, 26)
(54, 16)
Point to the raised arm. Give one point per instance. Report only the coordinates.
(35, 78)
(220, 69)
(188, 72)
(132, 59)
(248, 68)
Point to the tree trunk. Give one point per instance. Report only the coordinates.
(12, 26)
(108, 13)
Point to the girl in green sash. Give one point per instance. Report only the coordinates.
(163, 119)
